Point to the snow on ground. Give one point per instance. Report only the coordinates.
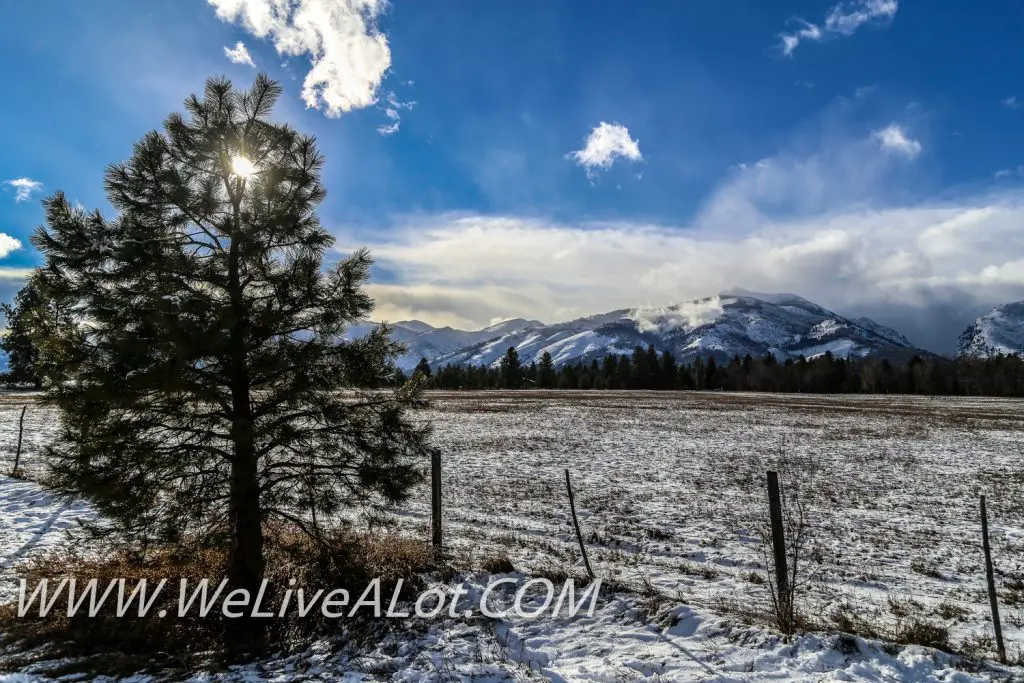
(32, 521)
(670, 492)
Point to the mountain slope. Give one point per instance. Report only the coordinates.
(425, 341)
(734, 323)
(1001, 330)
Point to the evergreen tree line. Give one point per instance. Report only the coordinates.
(646, 369)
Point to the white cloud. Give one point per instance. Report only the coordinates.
(935, 260)
(831, 223)
(349, 54)
(1004, 173)
(23, 188)
(239, 55)
(894, 138)
(1011, 103)
(846, 18)
(393, 110)
(605, 143)
(14, 275)
(842, 20)
(9, 244)
(790, 41)
(688, 313)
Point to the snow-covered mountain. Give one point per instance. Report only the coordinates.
(425, 341)
(736, 322)
(1001, 330)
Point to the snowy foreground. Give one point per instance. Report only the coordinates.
(670, 494)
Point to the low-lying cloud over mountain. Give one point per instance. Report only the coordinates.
(733, 323)
(928, 270)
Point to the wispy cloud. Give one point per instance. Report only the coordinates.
(894, 139)
(842, 20)
(1004, 173)
(239, 55)
(392, 109)
(606, 143)
(23, 188)
(807, 31)
(349, 53)
(1011, 103)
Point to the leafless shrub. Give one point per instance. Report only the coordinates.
(797, 532)
(497, 564)
(920, 632)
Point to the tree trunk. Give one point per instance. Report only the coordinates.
(246, 568)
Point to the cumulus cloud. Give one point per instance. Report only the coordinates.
(239, 54)
(606, 143)
(349, 54)
(842, 20)
(23, 188)
(8, 244)
(893, 138)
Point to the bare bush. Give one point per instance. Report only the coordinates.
(798, 536)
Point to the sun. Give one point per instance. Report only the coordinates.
(242, 167)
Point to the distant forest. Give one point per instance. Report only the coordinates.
(645, 369)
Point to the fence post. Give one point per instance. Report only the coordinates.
(779, 551)
(435, 498)
(576, 524)
(21, 430)
(990, 578)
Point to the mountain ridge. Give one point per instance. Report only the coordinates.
(1000, 331)
(735, 322)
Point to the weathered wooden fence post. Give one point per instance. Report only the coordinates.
(576, 524)
(435, 498)
(990, 578)
(21, 430)
(782, 587)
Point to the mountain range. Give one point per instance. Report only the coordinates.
(736, 322)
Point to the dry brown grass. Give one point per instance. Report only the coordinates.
(109, 644)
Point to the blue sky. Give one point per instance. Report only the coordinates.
(863, 154)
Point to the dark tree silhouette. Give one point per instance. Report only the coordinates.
(208, 389)
(511, 370)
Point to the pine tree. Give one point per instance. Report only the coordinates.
(667, 371)
(422, 369)
(209, 390)
(653, 369)
(623, 376)
(25, 318)
(711, 373)
(511, 371)
(639, 370)
(546, 372)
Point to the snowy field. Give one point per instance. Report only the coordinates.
(670, 493)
